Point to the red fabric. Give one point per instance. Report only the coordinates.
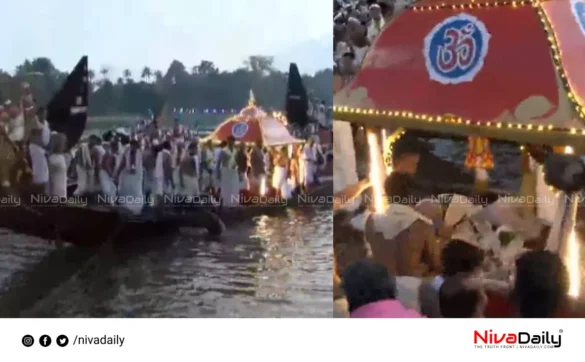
(570, 37)
(396, 78)
(498, 307)
(253, 125)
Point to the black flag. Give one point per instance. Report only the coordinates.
(67, 110)
(297, 103)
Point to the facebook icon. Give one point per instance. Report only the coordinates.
(45, 340)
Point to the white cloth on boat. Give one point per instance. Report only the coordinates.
(39, 164)
(130, 193)
(279, 180)
(391, 222)
(58, 164)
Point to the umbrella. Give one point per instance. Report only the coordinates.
(456, 66)
(253, 125)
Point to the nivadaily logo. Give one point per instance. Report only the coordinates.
(491, 339)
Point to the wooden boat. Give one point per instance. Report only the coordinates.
(88, 226)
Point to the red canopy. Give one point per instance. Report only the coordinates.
(251, 125)
(506, 69)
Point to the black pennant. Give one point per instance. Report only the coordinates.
(67, 110)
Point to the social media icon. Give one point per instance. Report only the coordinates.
(62, 340)
(28, 340)
(45, 340)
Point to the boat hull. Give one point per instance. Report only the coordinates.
(91, 227)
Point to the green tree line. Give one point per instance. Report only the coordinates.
(201, 86)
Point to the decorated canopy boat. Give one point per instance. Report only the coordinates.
(454, 68)
(254, 125)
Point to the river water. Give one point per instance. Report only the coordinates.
(268, 267)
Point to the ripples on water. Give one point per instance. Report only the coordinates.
(271, 267)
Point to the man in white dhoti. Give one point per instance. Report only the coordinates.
(280, 175)
(230, 179)
(97, 152)
(163, 172)
(149, 164)
(84, 168)
(189, 172)
(217, 157)
(207, 168)
(257, 169)
(309, 164)
(107, 169)
(178, 151)
(39, 163)
(242, 164)
(58, 162)
(130, 196)
(44, 127)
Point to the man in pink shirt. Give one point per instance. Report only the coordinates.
(371, 292)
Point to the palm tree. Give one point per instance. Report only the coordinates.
(158, 76)
(127, 75)
(104, 72)
(146, 73)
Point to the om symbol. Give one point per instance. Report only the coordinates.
(455, 49)
(578, 10)
(239, 129)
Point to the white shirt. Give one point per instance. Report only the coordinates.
(40, 167)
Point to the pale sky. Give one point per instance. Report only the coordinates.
(132, 33)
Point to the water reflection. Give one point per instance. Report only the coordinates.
(272, 266)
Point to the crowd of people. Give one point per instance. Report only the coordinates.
(407, 262)
(357, 23)
(150, 162)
